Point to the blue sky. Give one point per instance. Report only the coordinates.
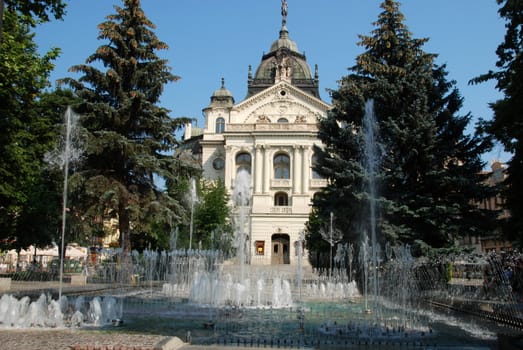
(210, 39)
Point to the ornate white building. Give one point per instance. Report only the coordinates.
(270, 134)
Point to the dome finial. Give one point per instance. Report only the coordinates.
(223, 83)
(284, 12)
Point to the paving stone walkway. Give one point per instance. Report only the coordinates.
(75, 339)
(65, 339)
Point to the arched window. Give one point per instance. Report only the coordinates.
(314, 164)
(283, 120)
(220, 125)
(281, 199)
(243, 162)
(282, 166)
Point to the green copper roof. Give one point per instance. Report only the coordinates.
(222, 97)
(283, 62)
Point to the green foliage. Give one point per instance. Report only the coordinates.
(212, 225)
(28, 118)
(428, 174)
(448, 272)
(31, 12)
(314, 242)
(506, 125)
(37, 10)
(212, 214)
(130, 138)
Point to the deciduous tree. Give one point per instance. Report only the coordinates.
(27, 131)
(213, 214)
(33, 11)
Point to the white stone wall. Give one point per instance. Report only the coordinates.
(252, 126)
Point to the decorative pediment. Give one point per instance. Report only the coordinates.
(281, 103)
(276, 111)
(282, 90)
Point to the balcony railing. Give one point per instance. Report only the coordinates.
(271, 127)
(281, 210)
(318, 183)
(285, 183)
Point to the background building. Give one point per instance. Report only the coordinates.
(270, 134)
(494, 242)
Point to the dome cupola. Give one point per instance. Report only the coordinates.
(283, 63)
(222, 97)
(284, 41)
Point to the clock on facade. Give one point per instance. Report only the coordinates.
(218, 163)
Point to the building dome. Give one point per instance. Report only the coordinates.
(284, 62)
(284, 41)
(222, 91)
(222, 97)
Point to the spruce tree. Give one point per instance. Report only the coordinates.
(506, 125)
(419, 137)
(130, 137)
(457, 181)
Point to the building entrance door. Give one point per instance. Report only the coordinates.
(280, 249)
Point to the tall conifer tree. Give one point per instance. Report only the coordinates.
(507, 124)
(427, 166)
(130, 137)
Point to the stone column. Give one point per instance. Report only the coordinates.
(230, 171)
(258, 169)
(306, 171)
(266, 169)
(296, 170)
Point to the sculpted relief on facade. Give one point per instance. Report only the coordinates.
(274, 112)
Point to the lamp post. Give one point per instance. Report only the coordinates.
(331, 244)
(193, 199)
(332, 236)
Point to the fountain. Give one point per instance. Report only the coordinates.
(371, 164)
(68, 152)
(200, 293)
(193, 198)
(205, 296)
(241, 197)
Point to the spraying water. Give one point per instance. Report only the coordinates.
(241, 196)
(68, 152)
(371, 164)
(193, 199)
(263, 323)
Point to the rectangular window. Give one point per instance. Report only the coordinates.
(260, 247)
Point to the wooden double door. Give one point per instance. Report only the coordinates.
(280, 244)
